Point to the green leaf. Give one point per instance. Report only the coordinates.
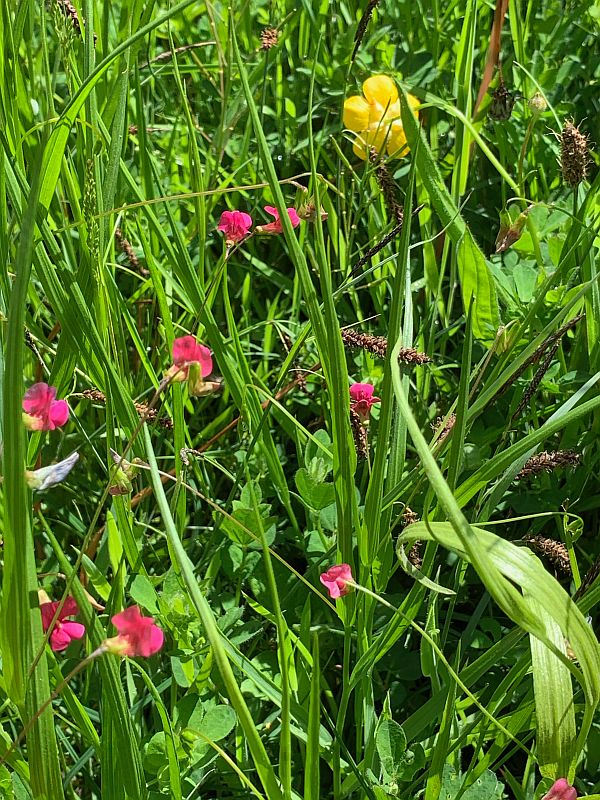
(475, 277)
(486, 787)
(390, 741)
(316, 494)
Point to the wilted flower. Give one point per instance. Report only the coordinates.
(45, 477)
(376, 118)
(235, 225)
(337, 580)
(64, 631)
(362, 399)
(138, 635)
(276, 226)
(561, 790)
(42, 411)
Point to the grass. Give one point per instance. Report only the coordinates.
(465, 664)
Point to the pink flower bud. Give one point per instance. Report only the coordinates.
(336, 580)
(561, 790)
(276, 226)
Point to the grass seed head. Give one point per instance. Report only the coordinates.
(268, 38)
(574, 154)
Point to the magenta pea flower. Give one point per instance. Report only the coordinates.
(42, 411)
(276, 226)
(337, 580)
(64, 630)
(192, 362)
(561, 790)
(362, 399)
(235, 225)
(138, 635)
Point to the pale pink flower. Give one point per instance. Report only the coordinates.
(336, 580)
(362, 399)
(138, 635)
(42, 411)
(187, 351)
(64, 630)
(235, 225)
(276, 226)
(561, 790)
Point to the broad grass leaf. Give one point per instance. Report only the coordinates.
(475, 277)
(555, 710)
(520, 568)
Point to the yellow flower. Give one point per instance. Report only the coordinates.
(375, 118)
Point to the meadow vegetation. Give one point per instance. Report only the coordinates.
(300, 414)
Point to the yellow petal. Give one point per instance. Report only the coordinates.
(396, 143)
(374, 138)
(380, 89)
(356, 113)
(414, 103)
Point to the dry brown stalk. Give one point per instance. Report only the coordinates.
(388, 187)
(372, 251)
(538, 353)
(359, 431)
(537, 379)
(362, 26)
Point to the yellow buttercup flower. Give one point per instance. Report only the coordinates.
(375, 118)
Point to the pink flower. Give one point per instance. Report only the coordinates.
(235, 225)
(276, 226)
(362, 400)
(336, 580)
(138, 636)
(42, 411)
(561, 790)
(62, 632)
(187, 351)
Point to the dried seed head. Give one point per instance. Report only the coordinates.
(359, 432)
(554, 551)
(408, 517)
(378, 346)
(268, 38)
(574, 154)
(70, 12)
(415, 554)
(362, 26)
(444, 426)
(94, 394)
(548, 462)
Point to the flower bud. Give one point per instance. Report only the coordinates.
(561, 790)
(537, 104)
